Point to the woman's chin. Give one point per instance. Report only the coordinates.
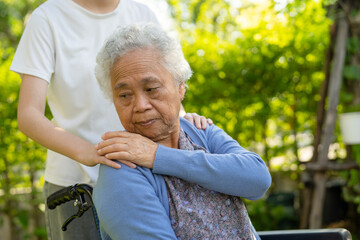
(149, 133)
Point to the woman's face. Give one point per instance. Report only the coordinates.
(145, 95)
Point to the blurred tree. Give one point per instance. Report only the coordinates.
(258, 68)
(255, 65)
(20, 158)
(350, 102)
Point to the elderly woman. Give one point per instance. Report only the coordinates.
(185, 183)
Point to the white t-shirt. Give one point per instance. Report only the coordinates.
(59, 45)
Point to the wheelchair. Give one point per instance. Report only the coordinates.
(78, 192)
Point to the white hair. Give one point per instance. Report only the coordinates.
(140, 36)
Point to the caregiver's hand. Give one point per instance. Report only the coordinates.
(128, 147)
(200, 122)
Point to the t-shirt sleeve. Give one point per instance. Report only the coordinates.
(35, 54)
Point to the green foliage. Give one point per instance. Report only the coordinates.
(21, 159)
(350, 102)
(257, 73)
(269, 214)
(351, 191)
(257, 70)
(351, 72)
(352, 45)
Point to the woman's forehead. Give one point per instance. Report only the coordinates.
(135, 61)
(139, 64)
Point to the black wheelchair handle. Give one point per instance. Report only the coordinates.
(62, 196)
(67, 194)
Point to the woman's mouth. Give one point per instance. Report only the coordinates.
(146, 123)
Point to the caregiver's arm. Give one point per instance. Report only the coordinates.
(129, 206)
(33, 123)
(229, 168)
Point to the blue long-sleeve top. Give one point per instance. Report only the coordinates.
(133, 203)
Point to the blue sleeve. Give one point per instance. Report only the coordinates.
(227, 168)
(128, 205)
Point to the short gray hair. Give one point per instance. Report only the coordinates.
(140, 36)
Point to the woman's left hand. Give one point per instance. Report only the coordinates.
(125, 146)
(200, 122)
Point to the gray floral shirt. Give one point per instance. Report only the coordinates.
(199, 213)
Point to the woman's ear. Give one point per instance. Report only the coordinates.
(182, 91)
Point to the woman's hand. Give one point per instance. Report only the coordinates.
(128, 148)
(200, 122)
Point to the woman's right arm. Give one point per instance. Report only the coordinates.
(33, 123)
(131, 204)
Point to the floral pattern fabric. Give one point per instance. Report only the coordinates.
(199, 213)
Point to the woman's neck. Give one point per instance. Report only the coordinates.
(172, 140)
(98, 6)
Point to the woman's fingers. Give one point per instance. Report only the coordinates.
(131, 148)
(107, 160)
(106, 147)
(110, 163)
(128, 163)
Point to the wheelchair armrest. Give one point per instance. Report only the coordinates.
(306, 234)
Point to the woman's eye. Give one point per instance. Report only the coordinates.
(151, 89)
(123, 95)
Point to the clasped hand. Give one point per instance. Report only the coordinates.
(130, 149)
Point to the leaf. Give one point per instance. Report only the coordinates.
(352, 45)
(351, 72)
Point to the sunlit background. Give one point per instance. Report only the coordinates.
(258, 71)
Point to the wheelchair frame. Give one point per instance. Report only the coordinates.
(77, 194)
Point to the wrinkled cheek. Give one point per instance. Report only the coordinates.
(168, 124)
(131, 128)
(173, 113)
(125, 118)
(126, 122)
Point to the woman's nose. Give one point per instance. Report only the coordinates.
(142, 103)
